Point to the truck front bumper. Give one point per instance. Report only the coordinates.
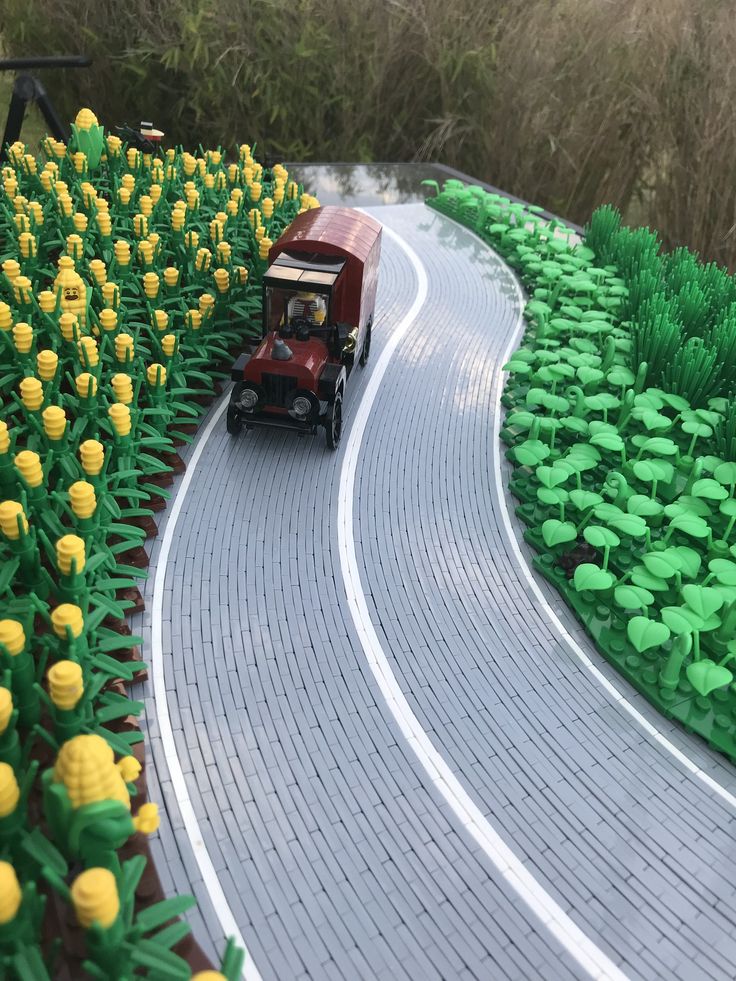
(262, 420)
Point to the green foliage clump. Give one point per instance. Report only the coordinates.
(722, 336)
(640, 289)
(634, 250)
(628, 495)
(694, 309)
(681, 311)
(693, 372)
(656, 335)
(724, 434)
(603, 225)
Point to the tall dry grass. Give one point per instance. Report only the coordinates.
(569, 103)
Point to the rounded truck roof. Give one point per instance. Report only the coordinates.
(343, 229)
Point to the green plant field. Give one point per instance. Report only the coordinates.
(621, 430)
(128, 282)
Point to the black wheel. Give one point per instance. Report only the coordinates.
(366, 352)
(333, 423)
(234, 425)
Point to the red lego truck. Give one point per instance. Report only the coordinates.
(319, 293)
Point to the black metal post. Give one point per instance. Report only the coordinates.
(27, 89)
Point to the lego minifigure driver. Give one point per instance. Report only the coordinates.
(308, 306)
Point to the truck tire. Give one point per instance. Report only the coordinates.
(333, 422)
(366, 352)
(233, 423)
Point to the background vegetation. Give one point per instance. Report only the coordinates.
(569, 103)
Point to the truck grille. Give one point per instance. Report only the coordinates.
(277, 388)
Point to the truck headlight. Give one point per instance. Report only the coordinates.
(301, 406)
(248, 399)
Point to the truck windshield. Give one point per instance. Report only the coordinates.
(288, 303)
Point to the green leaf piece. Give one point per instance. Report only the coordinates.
(710, 489)
(555, 403)
(560, 371)
(705, 676)
(598, 427)
(565, 467)
(601, 537)
(583, 499)
(690, 524)
(524, 420)
(555, 532)
(620, 376)
(655, 420)
(608, 512)
(643, 506)
(725, 473)
(608, 441)
(585, 450)
(651, 470)
(695, 428)
(535, 396)
(551, 476)
(688, 558)
(660, 446)
(517, 367)
(724, 571)
(707, 416)
(689, 505)
(629, 524)
(681, 620)
(645, 633)
(703, 600)
(537, 307)
(575, 425)
(583, 344)
(710, 462)
(728, 593)
(661, 565)
(531, 452)
(589, 376)
(552, 495)
(590, 577)
(633, 597)
(676, 402)
(583, 359)
(641, 576)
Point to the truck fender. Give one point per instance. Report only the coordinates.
(331, 381)
(236, 373)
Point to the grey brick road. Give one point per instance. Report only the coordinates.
(335, 852)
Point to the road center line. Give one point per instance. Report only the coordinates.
(593, 960)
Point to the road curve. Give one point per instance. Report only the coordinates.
(334, 852)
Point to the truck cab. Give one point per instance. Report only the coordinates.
(318, 302)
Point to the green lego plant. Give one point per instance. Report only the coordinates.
(21, 914)
(125, 281)
(623, 441)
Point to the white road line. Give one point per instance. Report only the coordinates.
(156, 660)
(566, 932)
(521, 562)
